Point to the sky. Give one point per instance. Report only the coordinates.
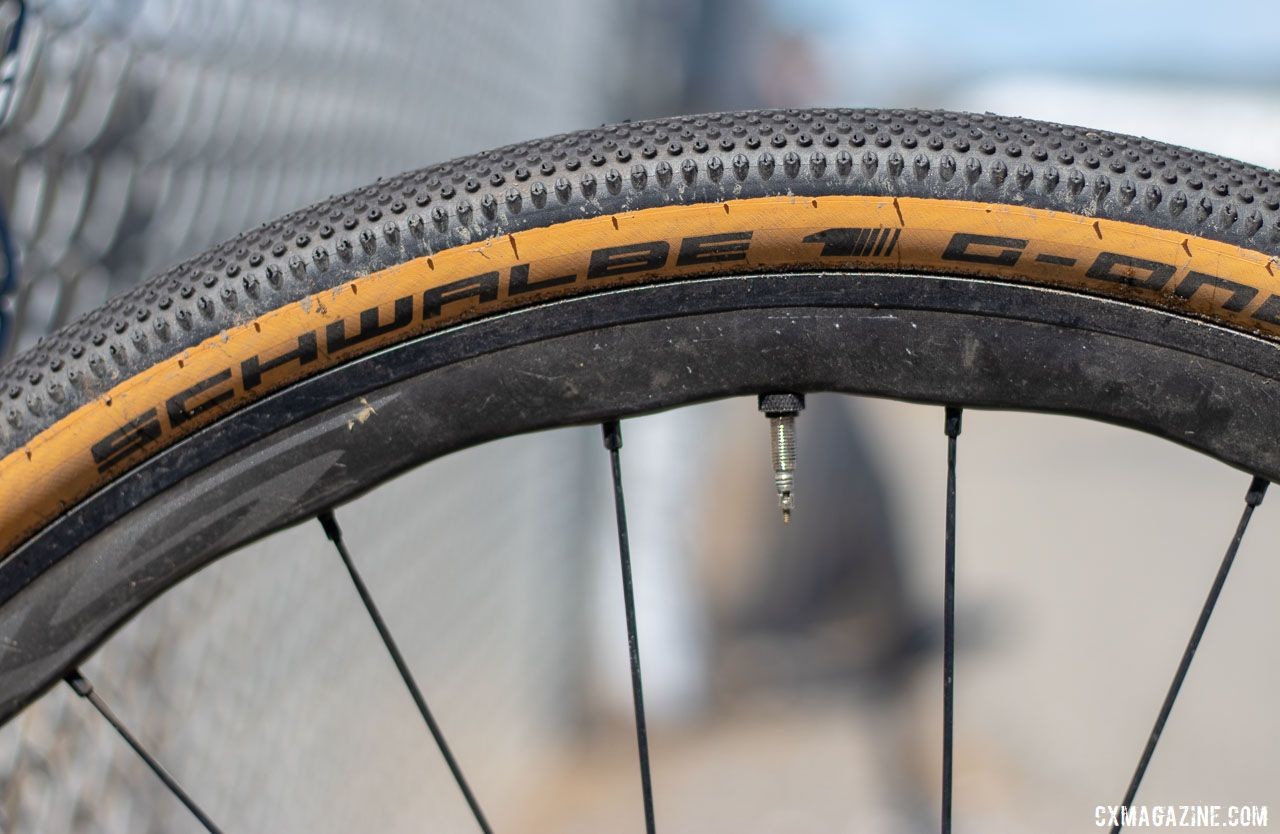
(879, 48)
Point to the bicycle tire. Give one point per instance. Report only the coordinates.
(1012, 202)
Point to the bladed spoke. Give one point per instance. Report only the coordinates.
(81, 686)
(952, 426)
(1257, 489)
(613, 442)
(334, 532)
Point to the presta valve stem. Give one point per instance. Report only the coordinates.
(781, 409)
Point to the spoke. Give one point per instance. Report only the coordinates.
(952, 427)
(334, 532)
(81, 686)
(613, 442)
(1257, 489)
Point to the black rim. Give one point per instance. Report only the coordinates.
(973, 340)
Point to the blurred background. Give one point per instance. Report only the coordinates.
(792, 675)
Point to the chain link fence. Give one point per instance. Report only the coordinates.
(138, 132)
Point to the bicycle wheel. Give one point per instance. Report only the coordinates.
(968, 260)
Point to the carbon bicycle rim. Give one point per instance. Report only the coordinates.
(964, 260)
